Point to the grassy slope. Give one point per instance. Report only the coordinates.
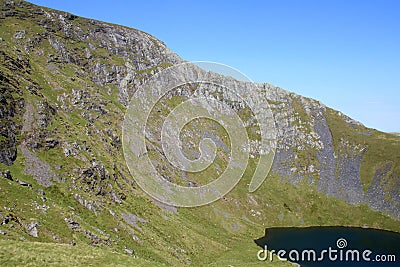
(14, 253)
(219, 234)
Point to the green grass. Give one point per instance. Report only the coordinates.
(219, 234)
(19, 253)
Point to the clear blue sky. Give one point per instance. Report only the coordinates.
(343, 53)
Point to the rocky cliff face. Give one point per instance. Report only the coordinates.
(65, 84)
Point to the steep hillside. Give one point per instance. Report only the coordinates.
(65, 84)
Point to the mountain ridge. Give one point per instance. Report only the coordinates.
(66, 82)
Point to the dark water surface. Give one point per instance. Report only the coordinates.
(332, 246)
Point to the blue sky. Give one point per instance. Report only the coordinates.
(344, 53)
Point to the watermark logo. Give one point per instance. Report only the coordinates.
(205, 95)
(341, 243)
(338, 254)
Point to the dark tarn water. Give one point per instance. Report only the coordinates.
(332, 246)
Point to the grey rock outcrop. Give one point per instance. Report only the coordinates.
(32, 230)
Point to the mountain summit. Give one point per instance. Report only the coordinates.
(66, 83)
